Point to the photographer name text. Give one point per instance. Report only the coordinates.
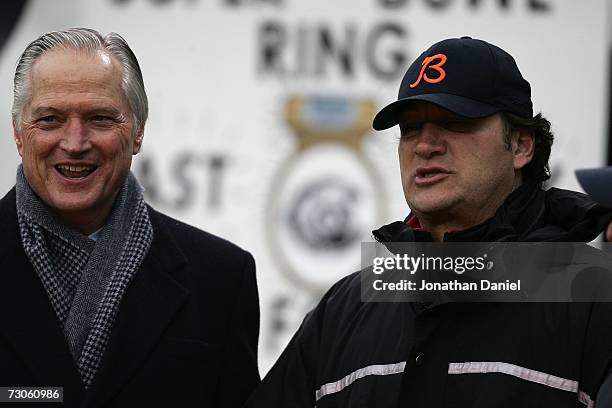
(454, 285)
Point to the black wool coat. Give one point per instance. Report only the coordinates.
(185, 334)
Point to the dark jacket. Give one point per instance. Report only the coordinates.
(353, 354)
(185, 336)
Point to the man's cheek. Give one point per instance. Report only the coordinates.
(609, 233)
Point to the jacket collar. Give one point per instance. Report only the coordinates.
(528, 214)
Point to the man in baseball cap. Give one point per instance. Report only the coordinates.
(473, 158)
(598, 184)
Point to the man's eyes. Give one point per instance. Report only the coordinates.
(96, 120)
(457, 125)
(101, 119)
(410, 130)
(48, 122)
(460, 126)
(48, 119)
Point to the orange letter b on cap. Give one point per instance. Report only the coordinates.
(438, 67)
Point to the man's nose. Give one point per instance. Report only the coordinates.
(430, 141)
(75, 139)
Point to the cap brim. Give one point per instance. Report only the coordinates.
(597, 183)
(389, 115)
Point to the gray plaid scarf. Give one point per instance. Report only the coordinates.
(85, 279)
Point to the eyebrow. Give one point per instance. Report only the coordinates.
(101, 110)
(45, 109)
(105, 111)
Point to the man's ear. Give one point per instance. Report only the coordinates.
(523, 145)
(138, 140)
(17, 137)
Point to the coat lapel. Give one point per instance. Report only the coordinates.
(28, 320)
(149, 305)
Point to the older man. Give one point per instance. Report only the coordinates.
(100, 294)
(473, 158)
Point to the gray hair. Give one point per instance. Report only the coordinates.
(88, 40)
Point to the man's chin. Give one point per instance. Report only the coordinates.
(71, 203)
(431, 204)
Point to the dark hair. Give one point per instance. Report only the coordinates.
(537, 169)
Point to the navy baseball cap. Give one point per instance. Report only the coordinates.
(597, 183)
(467, 76)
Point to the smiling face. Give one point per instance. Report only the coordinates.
(456, 171)
(76, 140)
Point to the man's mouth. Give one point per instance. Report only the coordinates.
(429, 176)
(75, 171)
